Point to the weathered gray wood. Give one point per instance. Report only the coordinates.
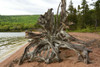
(54, 36)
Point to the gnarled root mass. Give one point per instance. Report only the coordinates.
(46, 45)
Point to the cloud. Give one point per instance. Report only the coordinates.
(28, 7)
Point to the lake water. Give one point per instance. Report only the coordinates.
(10, 42)
(12, 34)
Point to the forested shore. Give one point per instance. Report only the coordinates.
(17, 23)
(84, 19)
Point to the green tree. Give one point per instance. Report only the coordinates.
(97, 13)
(72, 17)
(79, 18)
(85, 15)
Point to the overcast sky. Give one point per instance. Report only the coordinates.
(30, 7)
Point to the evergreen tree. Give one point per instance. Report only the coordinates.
(85, 15)
(79, 18)
(72, 17)
(71, 8)
(97, 13)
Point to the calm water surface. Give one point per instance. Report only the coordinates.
(12, 34)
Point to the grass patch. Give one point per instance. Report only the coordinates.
(88, 29)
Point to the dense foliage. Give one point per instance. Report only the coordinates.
(17, 23)
(84, 19)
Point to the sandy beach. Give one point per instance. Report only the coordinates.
(69, 57)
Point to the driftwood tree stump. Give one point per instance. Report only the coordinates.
(46, 44)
